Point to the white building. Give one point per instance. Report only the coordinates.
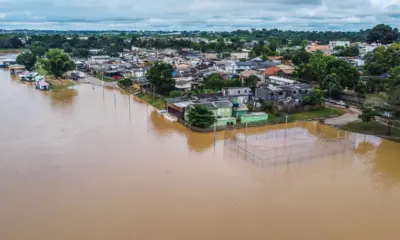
(333, 44)
(281, 81)
(240, 55)
(366, 48)
(226, 67)
(99, 59)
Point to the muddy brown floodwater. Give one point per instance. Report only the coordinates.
(78, 165)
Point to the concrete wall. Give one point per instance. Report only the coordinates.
(250, 118)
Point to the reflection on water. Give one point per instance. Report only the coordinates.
(387, 161)
(62, 98)
(100, 170)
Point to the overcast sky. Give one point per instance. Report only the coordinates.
(198, 14)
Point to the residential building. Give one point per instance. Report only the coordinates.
(281, 81)
(226, 66)
(239, 109)
(99, 59)
(94, 51)
(240, 55)
(272, 71)
(138, 72)
(239, 95)
(222, 110)
(243, 66)
(270, 93)
(357, 62)
(253, 118)
(298, 91)
(333, 44)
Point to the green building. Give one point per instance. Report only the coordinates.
(222, 110)
(238, 110)
(253, 118)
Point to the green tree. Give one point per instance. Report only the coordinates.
(382, 59)
(214, 81)
(113, 50)
(360, 89)
(27, 59)
(316, 98)
(67, 47)
(267, 106)
(367, 114)
(176, 93)
(383, 34)
(80, 52)
(332, 85)
(251, 82)
(392, 105)
(345, 72)
(126, 82)
(347, 51)
(57, 62)
(160, 77)
(301, 57)
(200, 116)
(394, 77)
(38, 49)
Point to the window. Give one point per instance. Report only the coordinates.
(280, 93)
(245, 91)
(305, 91)
(238, 91)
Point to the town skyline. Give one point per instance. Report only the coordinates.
(216, 15)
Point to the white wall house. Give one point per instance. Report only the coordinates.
(333, 44)
(226, 67)
(99, 59)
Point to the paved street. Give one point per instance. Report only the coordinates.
(96, 81)
(350, 116)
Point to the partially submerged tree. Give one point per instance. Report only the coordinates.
(56, 62)
(200, 116)
(27, 59)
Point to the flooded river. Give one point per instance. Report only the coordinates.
(80, 164)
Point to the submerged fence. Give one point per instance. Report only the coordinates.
(285, 146)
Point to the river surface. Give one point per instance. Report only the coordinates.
(81, 164)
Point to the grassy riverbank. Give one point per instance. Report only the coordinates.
(58, 84)
(156, 102)
(319, 113)
(373, 128)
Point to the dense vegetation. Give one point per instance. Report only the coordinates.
(112, 43)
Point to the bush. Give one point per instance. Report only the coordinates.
(125, 82)
(267, 106)
(176, 93)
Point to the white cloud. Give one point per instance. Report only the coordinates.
(198, 14)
